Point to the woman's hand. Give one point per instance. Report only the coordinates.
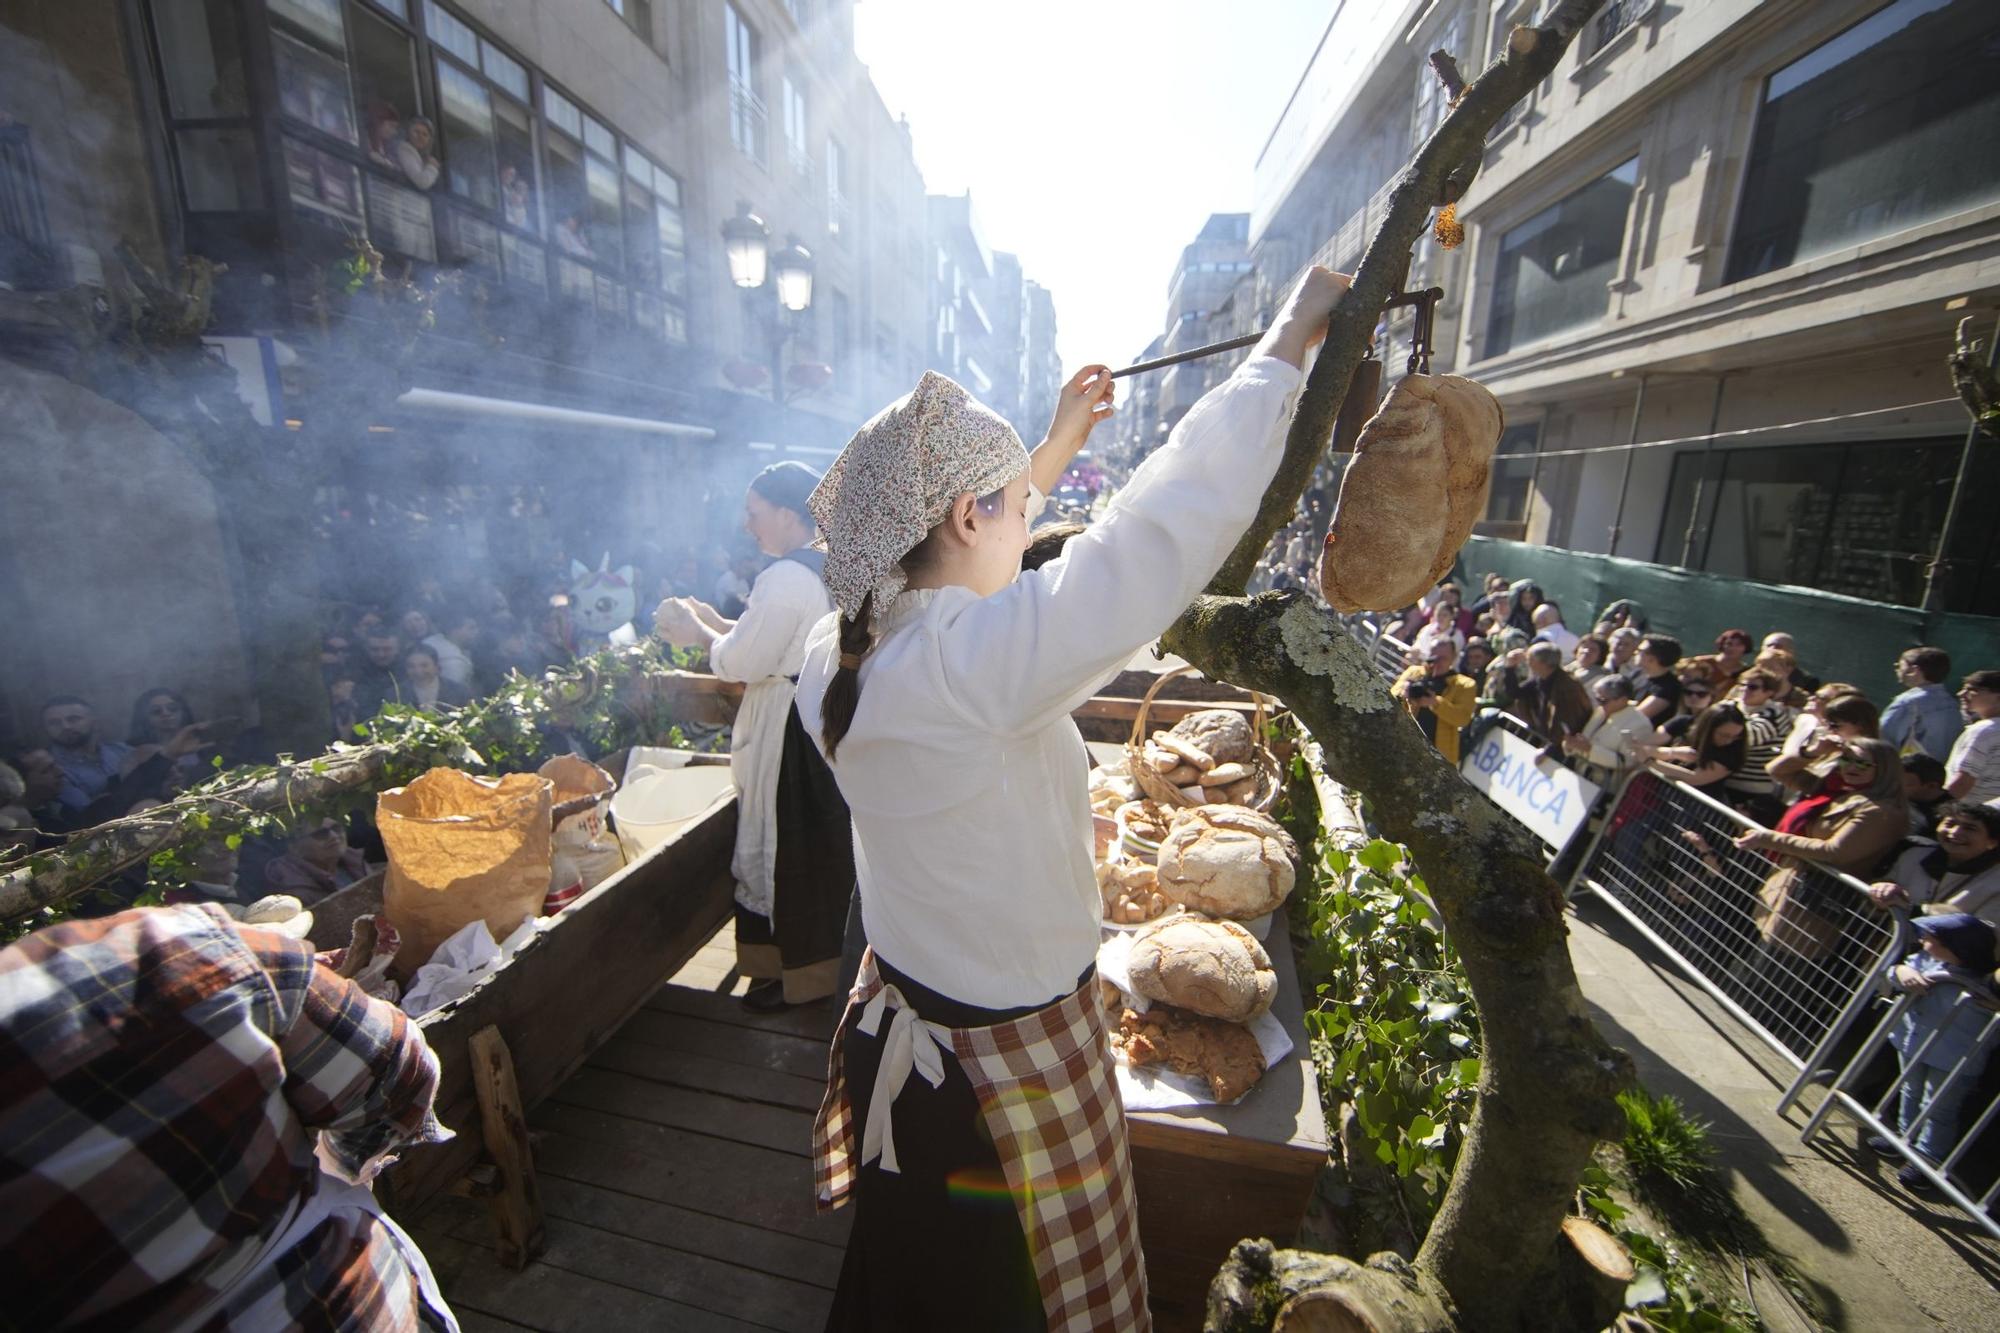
(1887, 894)
(1751, 840)
(1088, 398)
(674, 622)
(1301, 325)
(1909, 979)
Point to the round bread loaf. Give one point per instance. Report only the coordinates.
(1226, 861)
(1215, 968)
(1221, 733)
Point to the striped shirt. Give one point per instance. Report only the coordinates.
(164, 1079)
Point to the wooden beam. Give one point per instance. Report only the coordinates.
(519, 1234)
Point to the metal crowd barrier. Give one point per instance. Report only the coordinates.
(1918, 1092)
(1791, 950)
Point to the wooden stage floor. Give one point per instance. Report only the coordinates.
(676, 1178)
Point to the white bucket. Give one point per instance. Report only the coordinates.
(654, 804)
(655, 756)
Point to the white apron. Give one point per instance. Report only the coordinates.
(756, 750)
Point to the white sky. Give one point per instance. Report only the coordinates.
(1096, 135)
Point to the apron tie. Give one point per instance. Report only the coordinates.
(901, 1051)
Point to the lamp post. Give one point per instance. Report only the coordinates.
(753, 266)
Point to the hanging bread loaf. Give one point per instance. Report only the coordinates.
(1410, 497)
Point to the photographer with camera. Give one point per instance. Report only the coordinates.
(1438, 697)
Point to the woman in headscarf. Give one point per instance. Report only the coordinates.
(998, 1193)
(794, 861)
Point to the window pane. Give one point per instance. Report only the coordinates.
(503, 70)
(399, 220)
(385, 82)
(515, 148)
(201, 57)
(319, 18)
(599, 139)
(312, 87)
(562, 113)
(563, 177)
(525, 266)
(451, 34)
(322, 183)
(467, 112)
(472, 242)
(219, 170)
(606, 221)
(1894, 123)
(639, 169)
(1551, 271)
(1513, 470)
(642, 241)
(574, 281)
(400, 8)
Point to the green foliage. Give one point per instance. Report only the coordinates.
(1394, 1030)
(1667, 1148)
(1670, 1292)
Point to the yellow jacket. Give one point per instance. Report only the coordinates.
(1456, 700)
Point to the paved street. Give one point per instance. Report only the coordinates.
(1878, 1258)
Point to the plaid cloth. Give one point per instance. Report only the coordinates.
(163, 1076)
(1052, 1107)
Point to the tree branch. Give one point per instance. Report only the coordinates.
(1532, 54)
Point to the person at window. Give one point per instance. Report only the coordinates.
(1972, 772)
(1924, 718)
(1550, 701)
(794, 858)
(192, 1112)
(1660, 696)
(571, 238)
(514, 197)
(1616, 737)
(91, 765)
(158, 716)
(316, 862)
(385, 131)
(413, 155)
(1923, 787)
(1731, 660)
(1440, 699)
(1624, 659)
(1951, 978)
(1590, 660)
(1716, 750)
(424, 683)
(1959, 873)
(1549, 628)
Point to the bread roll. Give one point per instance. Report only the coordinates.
(1215, 968)
(1410, 497)
(1226, 861)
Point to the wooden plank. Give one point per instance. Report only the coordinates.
(554, 1300)
(751, 1185)
(569, 990)
(744, 1046)
(1192, 1210)
(814, 1021)
(695, 1281)
(698, 1071)
(518, 1231)
(608, 1208)
(779, 1128)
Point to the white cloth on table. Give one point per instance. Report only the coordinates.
(963, 770)
(764, 652)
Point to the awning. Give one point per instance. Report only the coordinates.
(472, 404)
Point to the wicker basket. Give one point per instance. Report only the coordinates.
(1158, 788)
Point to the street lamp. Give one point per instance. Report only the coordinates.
(746, 243)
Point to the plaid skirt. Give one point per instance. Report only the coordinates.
(1043, 1093)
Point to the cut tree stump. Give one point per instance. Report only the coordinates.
(1596, 1268)
(517, 1203)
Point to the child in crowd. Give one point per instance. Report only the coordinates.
(1951, 978)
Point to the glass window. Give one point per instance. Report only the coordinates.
(400, 8)
(319, 182)
(504, 70)
(598, 138)
(564, 114)
(514, 149)
(836, 187)
(606, 219)
(312, 87)
(746, 101)
(399, 220)
(466, 111)
(1513, 470)
(219, 170)
(641, 231)
(385, 82)
(1894, 123)
(1551, 271)
(318, 18)
(795, 127)
(523, 264)
(450, 33)
(202, 58)
(585, 200)
(472, 242)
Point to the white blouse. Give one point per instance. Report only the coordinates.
(964, 773)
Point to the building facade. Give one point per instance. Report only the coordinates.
(1738, 235)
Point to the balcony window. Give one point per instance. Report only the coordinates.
(465, 113)
(1551, 271)
(312, 87)
(1610, 23)
(798, 149)
(656, 241)
(385, 78)
(201, 58)
(746, 100)
(1891, 124)
(514, 148)
(585, 200)
(838, 210)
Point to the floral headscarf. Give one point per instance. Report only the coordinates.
(896, 480)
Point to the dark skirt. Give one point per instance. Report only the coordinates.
(938, 1244)
(811, 883)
